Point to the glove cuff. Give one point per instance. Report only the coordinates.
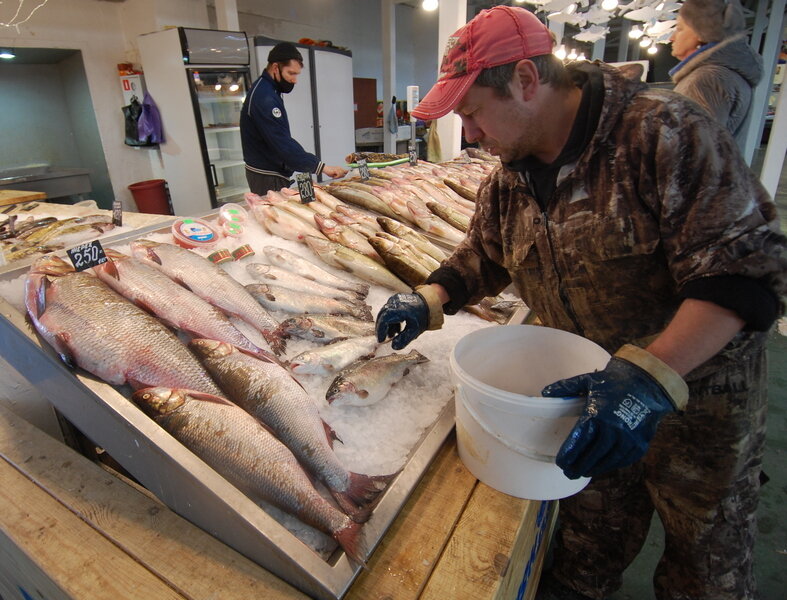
(673, 384)
(433, 304)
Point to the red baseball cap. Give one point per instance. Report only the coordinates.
(496, 36)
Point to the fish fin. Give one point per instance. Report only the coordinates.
(63, 351)
(359, 514)
(349, 538)
(182, 283)
(367, 488)
(276, 340)
(41, 290)
(205, 397)
(111, 269)
(262, 355)
(330, 434)
(151, 255)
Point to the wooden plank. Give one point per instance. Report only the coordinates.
(39, 535)
(18, 197)
(479, 558)
(407, 554)
(175, 550)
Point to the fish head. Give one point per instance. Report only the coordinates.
(301, 323)
(157, 401)
(258, 268)
(51, 265)
(320, 246)
(381, 244)
(205, 349)
(343, 387)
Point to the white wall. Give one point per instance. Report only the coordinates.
(105, 33)
(354, 24)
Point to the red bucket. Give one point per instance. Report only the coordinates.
(152, 196)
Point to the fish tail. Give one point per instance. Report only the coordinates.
(349, 538)
(363, 489)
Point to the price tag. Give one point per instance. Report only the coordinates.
(305, 187)
(363, 169)
(87, 255)
(12, 225)
(117, 213)
(413, 156)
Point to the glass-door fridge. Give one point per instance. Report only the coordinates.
(219, 95)
(198, 79)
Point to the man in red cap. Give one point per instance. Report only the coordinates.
(270, 152)
(625, 215)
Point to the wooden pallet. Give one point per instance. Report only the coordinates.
(71, 529)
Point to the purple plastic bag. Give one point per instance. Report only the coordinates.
(149, 124)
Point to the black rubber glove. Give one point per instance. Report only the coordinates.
(411, 309)
(624, 404)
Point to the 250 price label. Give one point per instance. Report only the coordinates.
(87, 255)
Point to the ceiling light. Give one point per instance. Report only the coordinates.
(572, 55)
(234, 87)
(217, 87)
(582, 56)
(635, 33)
(609, 4)
(645, 42)
(561, 52)
(569, 10)
(7, 53)
(429, 4)
(653, 49)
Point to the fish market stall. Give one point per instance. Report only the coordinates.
(438, 517)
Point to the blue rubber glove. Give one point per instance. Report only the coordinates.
(624, 404)
(411, 309)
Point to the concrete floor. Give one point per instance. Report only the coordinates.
(770, 552)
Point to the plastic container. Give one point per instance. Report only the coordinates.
(152, 197)
(508, 435)
(194, 233)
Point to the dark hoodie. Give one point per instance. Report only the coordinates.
(720, 79)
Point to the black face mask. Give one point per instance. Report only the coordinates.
(285, 87)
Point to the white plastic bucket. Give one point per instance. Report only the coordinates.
(508, 435)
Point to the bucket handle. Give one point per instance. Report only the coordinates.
(523, 450)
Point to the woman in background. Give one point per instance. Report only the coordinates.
(717, 67)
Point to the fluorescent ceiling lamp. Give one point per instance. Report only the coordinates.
(429, 4)
(609, 4)
(7, 54)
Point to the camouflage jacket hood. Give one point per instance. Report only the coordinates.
(659, 197)
(720, 79)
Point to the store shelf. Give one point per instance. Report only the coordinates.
(222, 100)
(222, 129)
(226, 164)
(234, 190)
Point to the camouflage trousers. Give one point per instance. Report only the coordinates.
(701, 474)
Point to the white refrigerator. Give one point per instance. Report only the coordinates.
(320, 107)
(198, 78)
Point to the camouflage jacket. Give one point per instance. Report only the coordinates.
(659, 197)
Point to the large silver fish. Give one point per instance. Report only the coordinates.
(94, 327)
(333, 357)
(284, 224)
(323, 329)
(366, 382)
(356, 263)
(283, 277)
(211, 283)
(240, 449)
(269, 393)
(346, 236)
(152, 290)
(276, 297)
(305, 268)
